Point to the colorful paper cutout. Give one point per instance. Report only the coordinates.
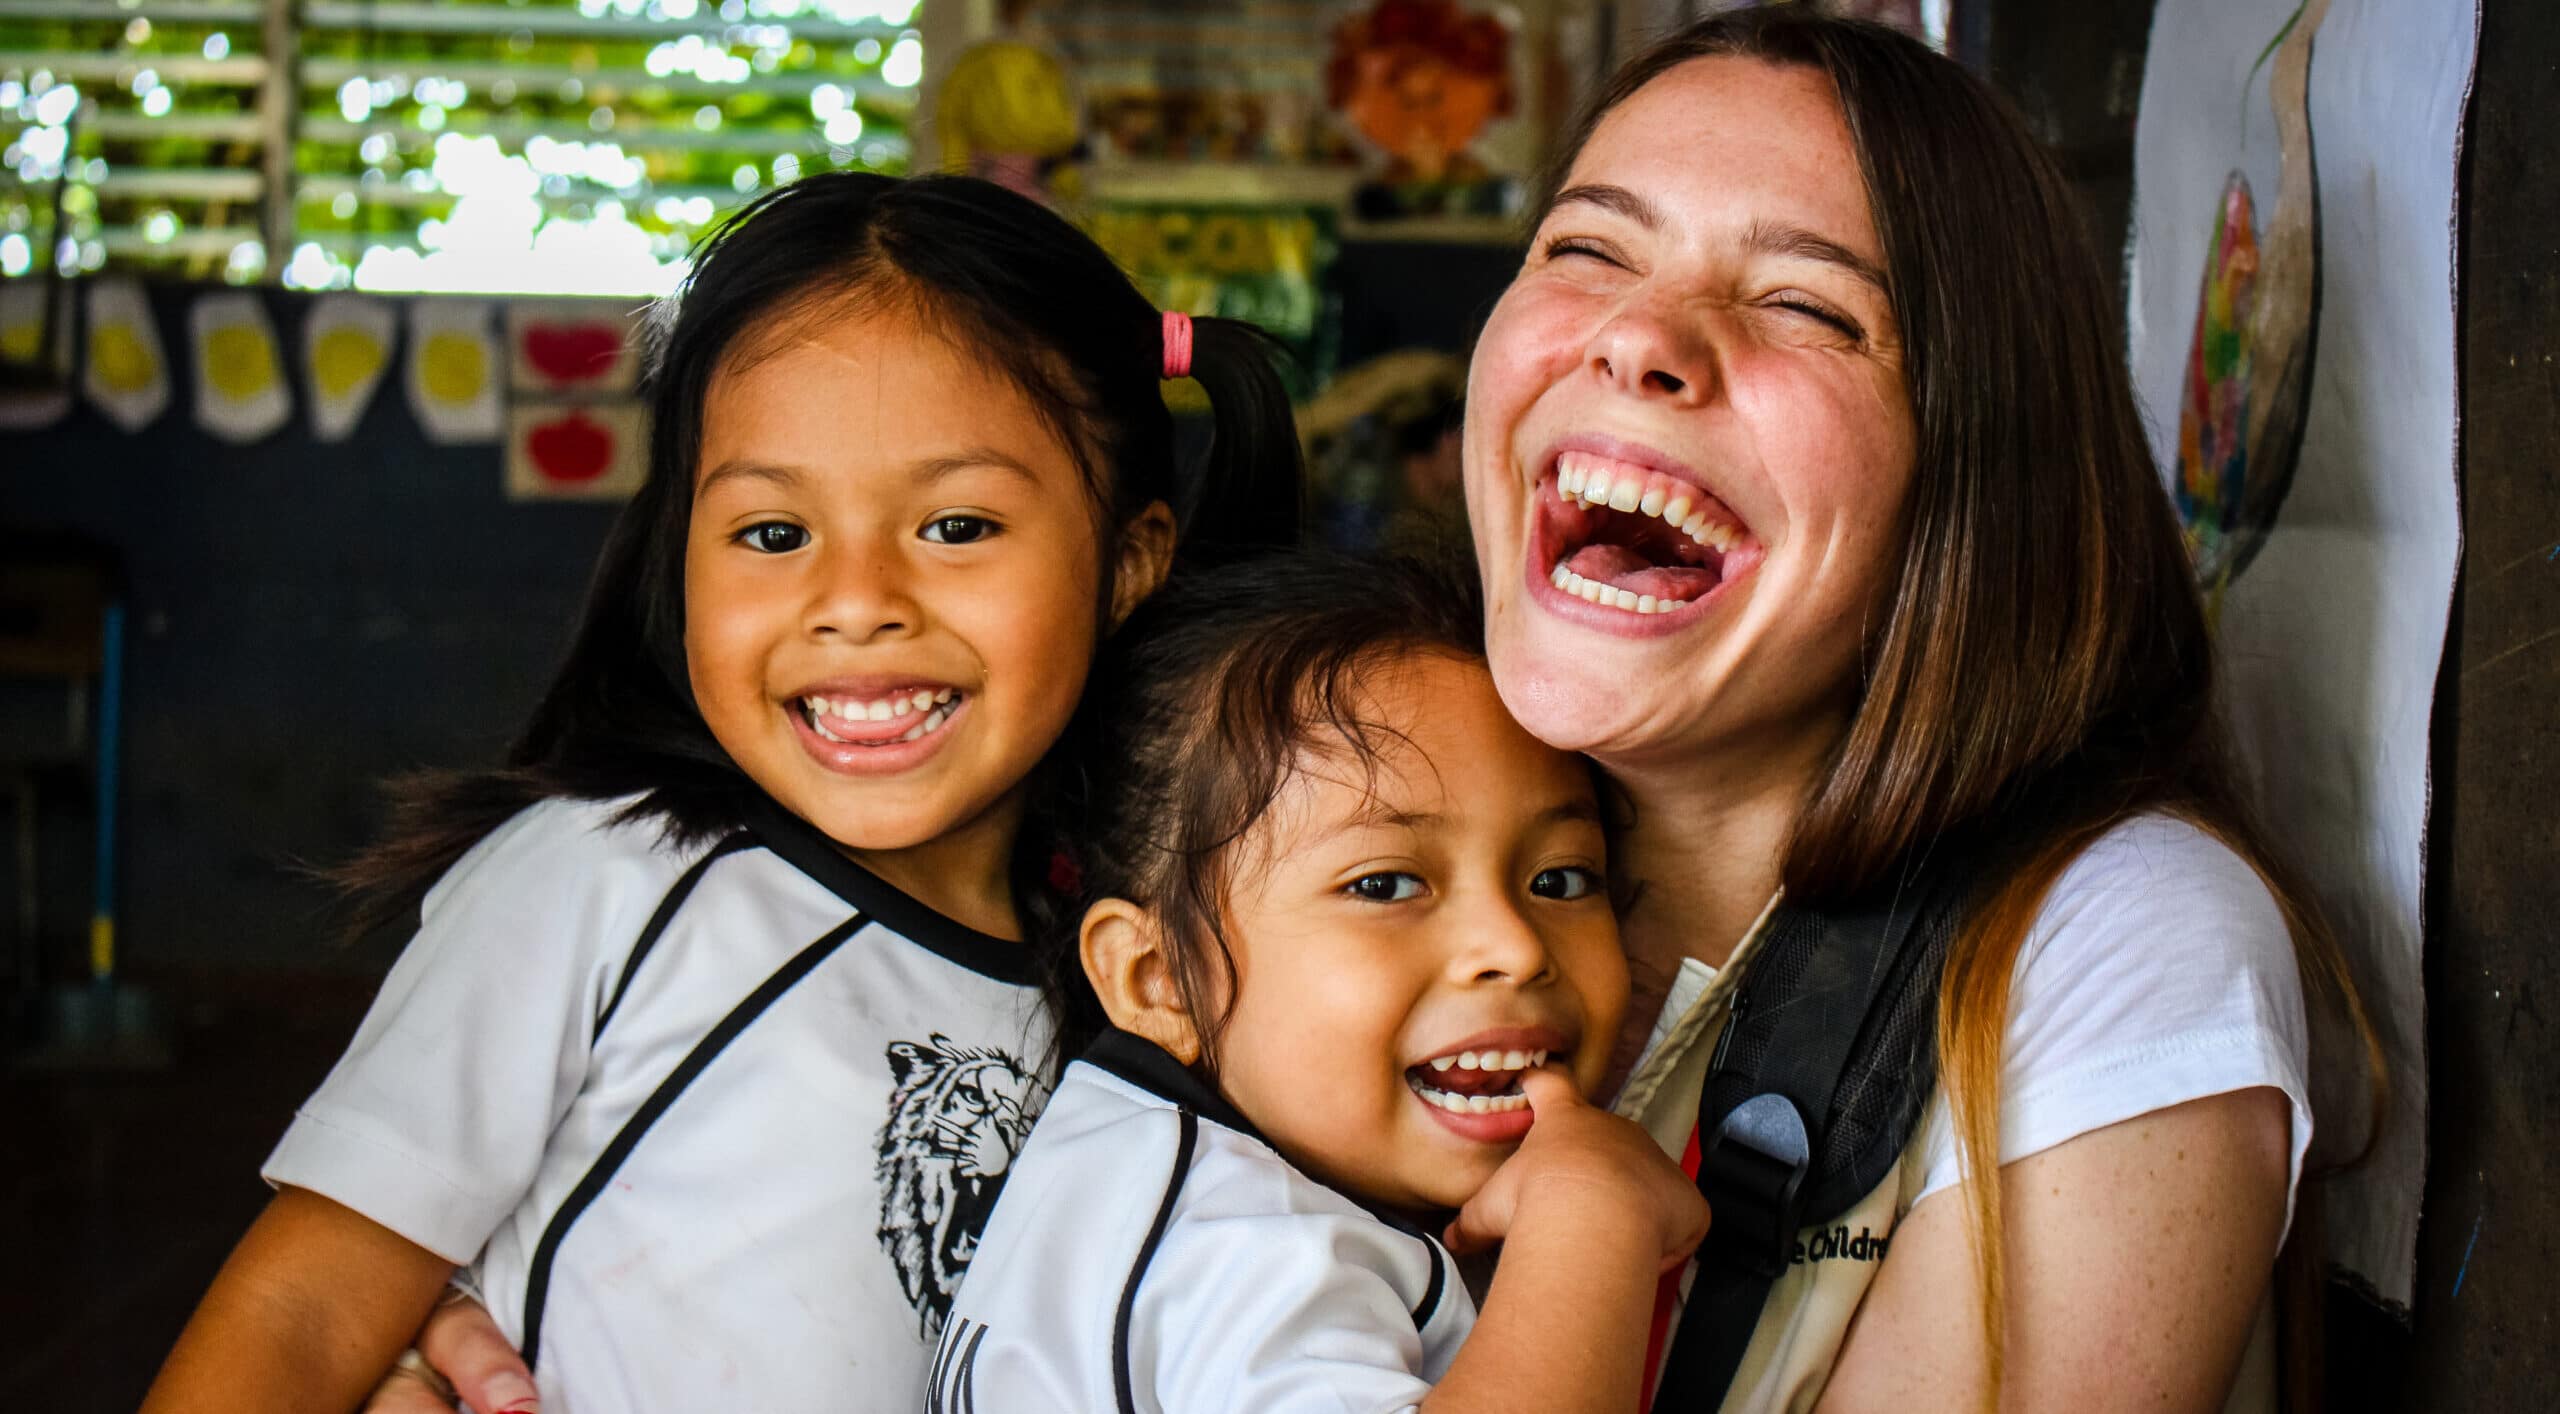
(347, 343)
(40, 380)
(577, 451)
(572, 346)
(240, 388)
(125, 374)
(453, 367)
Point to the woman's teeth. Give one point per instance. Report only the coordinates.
(934, 705)
(1598, 481)
(1604, 595)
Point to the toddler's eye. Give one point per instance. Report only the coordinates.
(1564, 883)
(958, 530)
(774, 537)
(1388, 887)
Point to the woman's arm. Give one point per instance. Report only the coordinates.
(315, 1303)
(2137, 1256)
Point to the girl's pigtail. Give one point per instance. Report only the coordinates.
(1247, 492)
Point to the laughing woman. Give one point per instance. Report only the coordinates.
(1812, 501)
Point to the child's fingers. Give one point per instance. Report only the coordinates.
(1465, 1238)
(410, 1388)
(1548, 1088)
(464, 1345)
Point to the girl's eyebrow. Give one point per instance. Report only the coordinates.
(926, 472)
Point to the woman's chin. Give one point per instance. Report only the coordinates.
(1563, 698)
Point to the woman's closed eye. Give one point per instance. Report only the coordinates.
(1570, 247)
(1820, 313)
(1567, 882)
(773, 537)
(1385, 886)
(957, 529)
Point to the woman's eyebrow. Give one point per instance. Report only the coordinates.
(1611, 198)
(1779, 238)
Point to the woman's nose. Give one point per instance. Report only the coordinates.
(1652, 349)
(860, 592)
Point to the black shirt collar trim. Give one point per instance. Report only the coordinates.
(1151, 1068)
(797, 843)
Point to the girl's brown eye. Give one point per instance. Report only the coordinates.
(1386, 887)
(774, 537)
(958, 530)
(1565, 884)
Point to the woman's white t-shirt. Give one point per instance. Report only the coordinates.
(714, 1126)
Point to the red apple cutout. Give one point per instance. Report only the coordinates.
(572, 449)
(572, 353)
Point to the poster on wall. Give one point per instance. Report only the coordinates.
(124, 373)
(2292, 331)
(581, 347)
(454, 371)
(347, 343)
(240, 385)
(576, 450)
(35, 350)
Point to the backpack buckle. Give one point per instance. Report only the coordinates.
(1750, 1171)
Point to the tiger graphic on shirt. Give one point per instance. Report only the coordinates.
(956, 1119)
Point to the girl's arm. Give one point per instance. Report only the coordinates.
(2137, 1258)
(315, 1302)
(1590, 1213)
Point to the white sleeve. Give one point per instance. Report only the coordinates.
(2158, 972)
(1314, 1324)
(433, 1122)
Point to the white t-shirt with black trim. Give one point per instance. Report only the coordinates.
(714, 1127)
(1153, 1253)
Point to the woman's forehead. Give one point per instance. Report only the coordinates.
(1718, 146)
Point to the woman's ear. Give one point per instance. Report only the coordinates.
(1146, 557)
(1125, 960)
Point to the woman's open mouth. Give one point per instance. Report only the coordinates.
(1635, 540)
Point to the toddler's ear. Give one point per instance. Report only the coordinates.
(1146, 557)
(1125, 960)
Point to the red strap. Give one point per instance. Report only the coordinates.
(1666, 1297)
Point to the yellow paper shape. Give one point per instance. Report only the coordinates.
(453, 366)
(124, 363)
(344, 358)
(239, 361)
(19, 342)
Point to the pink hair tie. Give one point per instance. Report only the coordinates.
(1177, 344)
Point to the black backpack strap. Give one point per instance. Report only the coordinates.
(1812, 1093)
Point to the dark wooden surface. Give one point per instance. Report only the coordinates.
(2484, 1334)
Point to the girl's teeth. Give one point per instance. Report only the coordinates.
(931, 703)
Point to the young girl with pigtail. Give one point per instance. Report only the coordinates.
(715, 1040)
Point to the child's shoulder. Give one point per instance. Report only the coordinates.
(563, 845)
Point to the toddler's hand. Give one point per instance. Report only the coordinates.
(1583, 1161)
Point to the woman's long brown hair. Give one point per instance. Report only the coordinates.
(2041, 669)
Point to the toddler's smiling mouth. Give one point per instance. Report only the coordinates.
(1474, 1081)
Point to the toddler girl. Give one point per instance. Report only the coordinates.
(1358, 965)
(715, 1039)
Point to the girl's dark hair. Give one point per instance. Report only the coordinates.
(1201, 706)
(2041, 666)
(1004, 278)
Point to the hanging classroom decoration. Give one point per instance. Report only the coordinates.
(346, 347)
(453, 371)
(240, 387)
(125, 373)
(35, 353)
(572, 347)
(576, 451)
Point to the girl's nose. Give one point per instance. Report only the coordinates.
(1500, 944)
(1652, 348)
(860, 592)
